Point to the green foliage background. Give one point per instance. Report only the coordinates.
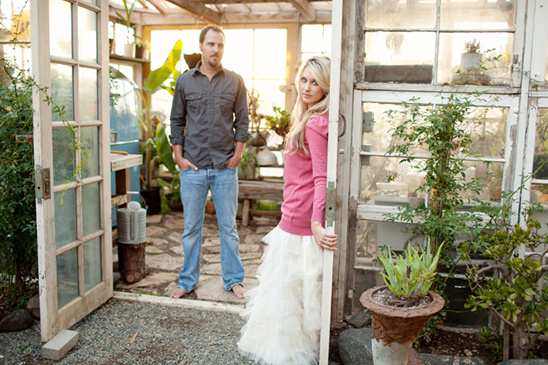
(18, 250)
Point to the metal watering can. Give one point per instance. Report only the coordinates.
(132, 224)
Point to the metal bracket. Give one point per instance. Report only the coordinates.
(330, 200)
(42, 184)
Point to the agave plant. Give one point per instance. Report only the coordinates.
(412, 273)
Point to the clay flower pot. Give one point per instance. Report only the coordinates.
(394, 329)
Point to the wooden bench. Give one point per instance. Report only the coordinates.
(259, 190)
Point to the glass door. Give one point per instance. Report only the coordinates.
(71, 127)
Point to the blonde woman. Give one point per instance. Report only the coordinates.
(283, 313)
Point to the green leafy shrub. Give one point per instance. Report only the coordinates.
(510, 285)
(18, 252)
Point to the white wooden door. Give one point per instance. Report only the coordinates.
(70, 58)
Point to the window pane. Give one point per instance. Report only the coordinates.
(90, 151)
(63, 155)
(492, 62)
(371, 236)
(92, 263)
(400, 14)
(238, 54)
(477, 14)
(67, 277)
(540, 171)
(269, 93)
(546, 73)
(20, 55)
(62, 92)
(87, 35)
(412, 52)
(65, 217)
(270, 53)
(60, 31)
(312, 38)
(91, 208)
(486, 126)
(88, 94)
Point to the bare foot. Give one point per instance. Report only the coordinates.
(239, 291)
(177, 292)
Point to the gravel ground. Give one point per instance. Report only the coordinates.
(121, 332)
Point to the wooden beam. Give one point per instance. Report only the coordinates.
(159, 5)
(305, 9)
(198, 9)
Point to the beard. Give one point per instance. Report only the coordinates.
(214, 62)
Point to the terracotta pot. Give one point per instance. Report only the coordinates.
(393, 329)
(210, 207)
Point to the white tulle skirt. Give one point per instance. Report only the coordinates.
(284, 312)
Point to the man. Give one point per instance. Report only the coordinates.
(209, 124)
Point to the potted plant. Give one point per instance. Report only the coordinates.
(210, 205)
(470, 59)
(401, 308)
(129, 47)
(279, 122)
(142, 48)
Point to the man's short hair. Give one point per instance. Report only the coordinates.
(212, 27)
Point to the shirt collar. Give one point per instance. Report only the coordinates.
(197, 69)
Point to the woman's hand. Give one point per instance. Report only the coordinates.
(326, 241)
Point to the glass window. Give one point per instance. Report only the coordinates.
(540, 169)
(62, 92)
(65, 217)
(15, 25)
(92, 263)
(88, 98)
(60, 31)
(63, 155)
(258, 55)
(400, 14)
(397, 52)
(89, 140)
(87, 35)
(377, 189)
(67, 277)
(316, 40)
(91, 212)
(488, 15)
(546, 73)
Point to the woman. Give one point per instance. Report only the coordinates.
(284, 312)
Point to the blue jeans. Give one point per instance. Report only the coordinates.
(223, 184)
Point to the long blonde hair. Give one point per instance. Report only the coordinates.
(320, 68)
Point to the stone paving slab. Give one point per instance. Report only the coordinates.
(164, 257)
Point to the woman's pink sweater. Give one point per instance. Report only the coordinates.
(305, 178)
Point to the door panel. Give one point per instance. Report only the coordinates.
(70, 59)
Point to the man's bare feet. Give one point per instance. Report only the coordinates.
(177, 292)
(239, 291)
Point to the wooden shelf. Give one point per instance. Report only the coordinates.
(120, 165)
(114, 56)
(120, 162)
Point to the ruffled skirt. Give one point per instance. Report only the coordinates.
(284, 312)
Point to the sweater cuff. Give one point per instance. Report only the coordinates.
(318, 216)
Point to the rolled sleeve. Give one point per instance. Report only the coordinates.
(241, 112)
(178, 114)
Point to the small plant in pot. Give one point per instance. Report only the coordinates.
(401, 308)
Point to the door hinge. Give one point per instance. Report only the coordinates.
(330, 200)
(42, 184)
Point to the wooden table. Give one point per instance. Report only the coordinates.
(259, 190)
